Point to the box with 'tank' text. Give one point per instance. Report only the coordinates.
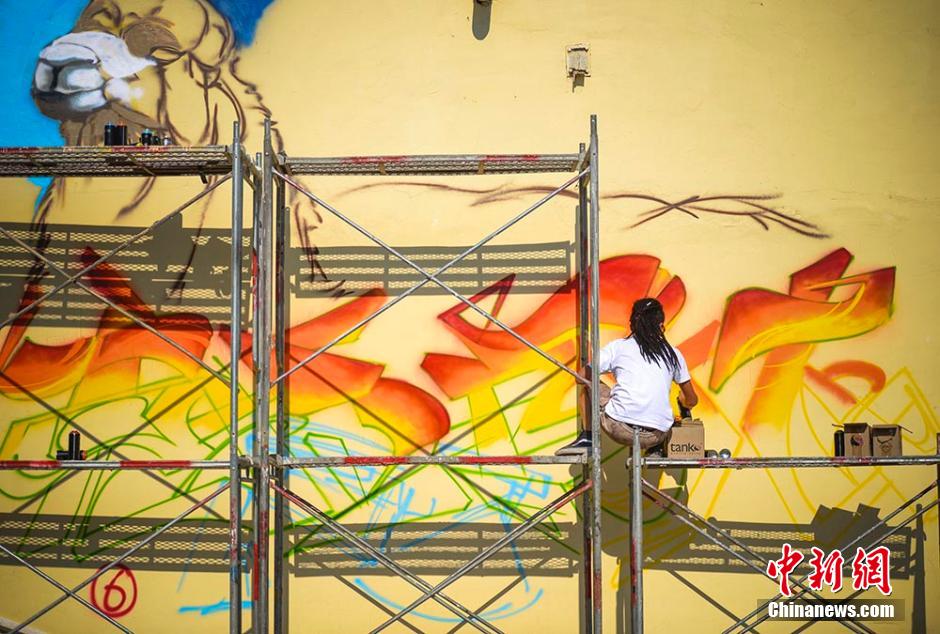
(686, 439)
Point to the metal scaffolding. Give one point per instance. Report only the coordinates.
(270, 177)
(725, 540)
(221, 164)
(282, 170)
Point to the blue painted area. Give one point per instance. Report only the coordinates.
(42, 182)
(202, 525)
(212, 608)
(29, 27)
(243, 15)
(398, 504)
(402, 512)
(36, 24)
(21, 123)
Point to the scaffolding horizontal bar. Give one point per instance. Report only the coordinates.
(449, 164)
(791, 462)
(368, 461)
(158, 160)
(109, 465)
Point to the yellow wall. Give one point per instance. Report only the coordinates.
(829, 109)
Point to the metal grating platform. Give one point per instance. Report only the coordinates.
(172, 269)
(451, 164)
(161, 160)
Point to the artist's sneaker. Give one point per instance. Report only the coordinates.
(580, 446)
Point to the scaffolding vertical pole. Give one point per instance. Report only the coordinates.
(636, 537)
(282, 424)
(582, 270)
(595, 457)
(255, 346)
(234, 491)
(261, 353)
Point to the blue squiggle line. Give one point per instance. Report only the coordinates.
(211, 608)
(196, 537)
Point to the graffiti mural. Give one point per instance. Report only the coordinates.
(183, 410)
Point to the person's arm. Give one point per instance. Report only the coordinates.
(687, 395)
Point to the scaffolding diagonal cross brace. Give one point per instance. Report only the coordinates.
(111, 304)
(152, 536)
(430, 277)
(73, 595)
(489, 551)
(91, 267)
(276, 468)
(845, 550)
(464, 613)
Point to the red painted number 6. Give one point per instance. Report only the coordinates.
(115, 592)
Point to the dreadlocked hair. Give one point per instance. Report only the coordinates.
(646, 322)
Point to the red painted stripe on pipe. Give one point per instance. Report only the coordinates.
(30, 464)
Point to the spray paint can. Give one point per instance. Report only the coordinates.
(725, 453)
(838, 441)
(146, 137)
(109, 133)
(120, 133)
(75, 443)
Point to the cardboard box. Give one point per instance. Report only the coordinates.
(857, 439)
(686, 440)
(885, 440)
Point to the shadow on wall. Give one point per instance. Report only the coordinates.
(178, 267)
(437, 549)
(170, 268)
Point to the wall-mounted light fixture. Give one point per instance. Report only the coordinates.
(578, 63)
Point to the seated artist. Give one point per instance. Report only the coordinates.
(644, 365)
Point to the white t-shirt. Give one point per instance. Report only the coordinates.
(641, 395)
